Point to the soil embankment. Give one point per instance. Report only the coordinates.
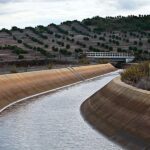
(17, 86)
(122, 113)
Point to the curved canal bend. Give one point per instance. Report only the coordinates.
(53, 121)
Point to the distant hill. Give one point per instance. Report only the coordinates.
(71, 38)
(119, 23)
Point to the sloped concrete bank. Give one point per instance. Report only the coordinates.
(122, 113)
(17, 86)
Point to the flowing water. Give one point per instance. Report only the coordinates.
(53, 121)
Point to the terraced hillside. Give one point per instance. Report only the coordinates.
(71, 38)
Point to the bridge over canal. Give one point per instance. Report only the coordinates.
(125, 57)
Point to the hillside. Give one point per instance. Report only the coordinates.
(66, 41)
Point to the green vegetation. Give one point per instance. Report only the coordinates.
(59, 29)
(138, 75)
(34, 39)
(42, 29)
(70, 39)
(58, 36)
(19, 41)
(81, 44)
(86, 38)
(65, 52)
(46, 46)
(117, 34)
(67, 46)
(27, 46)
(16, 29)
(20, 57)
(82, 25)
(78, 31)
(55, 49)
(15, 49)
(37, 32)
(91, 48)
(43, 51)
(119, 23)
(60, 43)
(79, 50)
(6, 31)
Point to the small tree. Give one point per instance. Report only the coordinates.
(140, 43)
(86, 38)
(20, 57)
(19, 41)
(111, 48)
(67, 46)
(135, 42)
(46, 46)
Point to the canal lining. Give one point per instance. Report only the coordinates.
(122, 113)
(96, 71)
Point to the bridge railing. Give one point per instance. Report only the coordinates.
(108, 55)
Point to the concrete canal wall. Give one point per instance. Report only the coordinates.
(17, 86)
(122, 113)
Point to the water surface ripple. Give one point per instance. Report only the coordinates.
(53, 121)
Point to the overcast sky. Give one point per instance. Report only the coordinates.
(24, 13)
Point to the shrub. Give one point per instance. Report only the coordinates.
(14, 38)
(86, 38)
(27, 46)
(46, 46)
(55, 49)
(65, 52)
(37, 32)
(67, 46)
(43, 51)
(135, 42)
(6, 31)
(35, 39)
(119, 49)
(140, 43)
(110, 48)
(16, 29)
(20, 57)
(14, 70)
(84, 61)
(79, 50)
(57, 36)
(49, 66)
(103, 61)
(60, 43)
(15, 49)
(138, 75)
(59, 29)
(19, 41)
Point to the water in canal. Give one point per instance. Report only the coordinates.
(53, 121)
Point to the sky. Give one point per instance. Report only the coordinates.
(23, 13)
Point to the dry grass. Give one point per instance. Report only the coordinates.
(50, 66)
(14, 70)
(138, 75)
(84, 61)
